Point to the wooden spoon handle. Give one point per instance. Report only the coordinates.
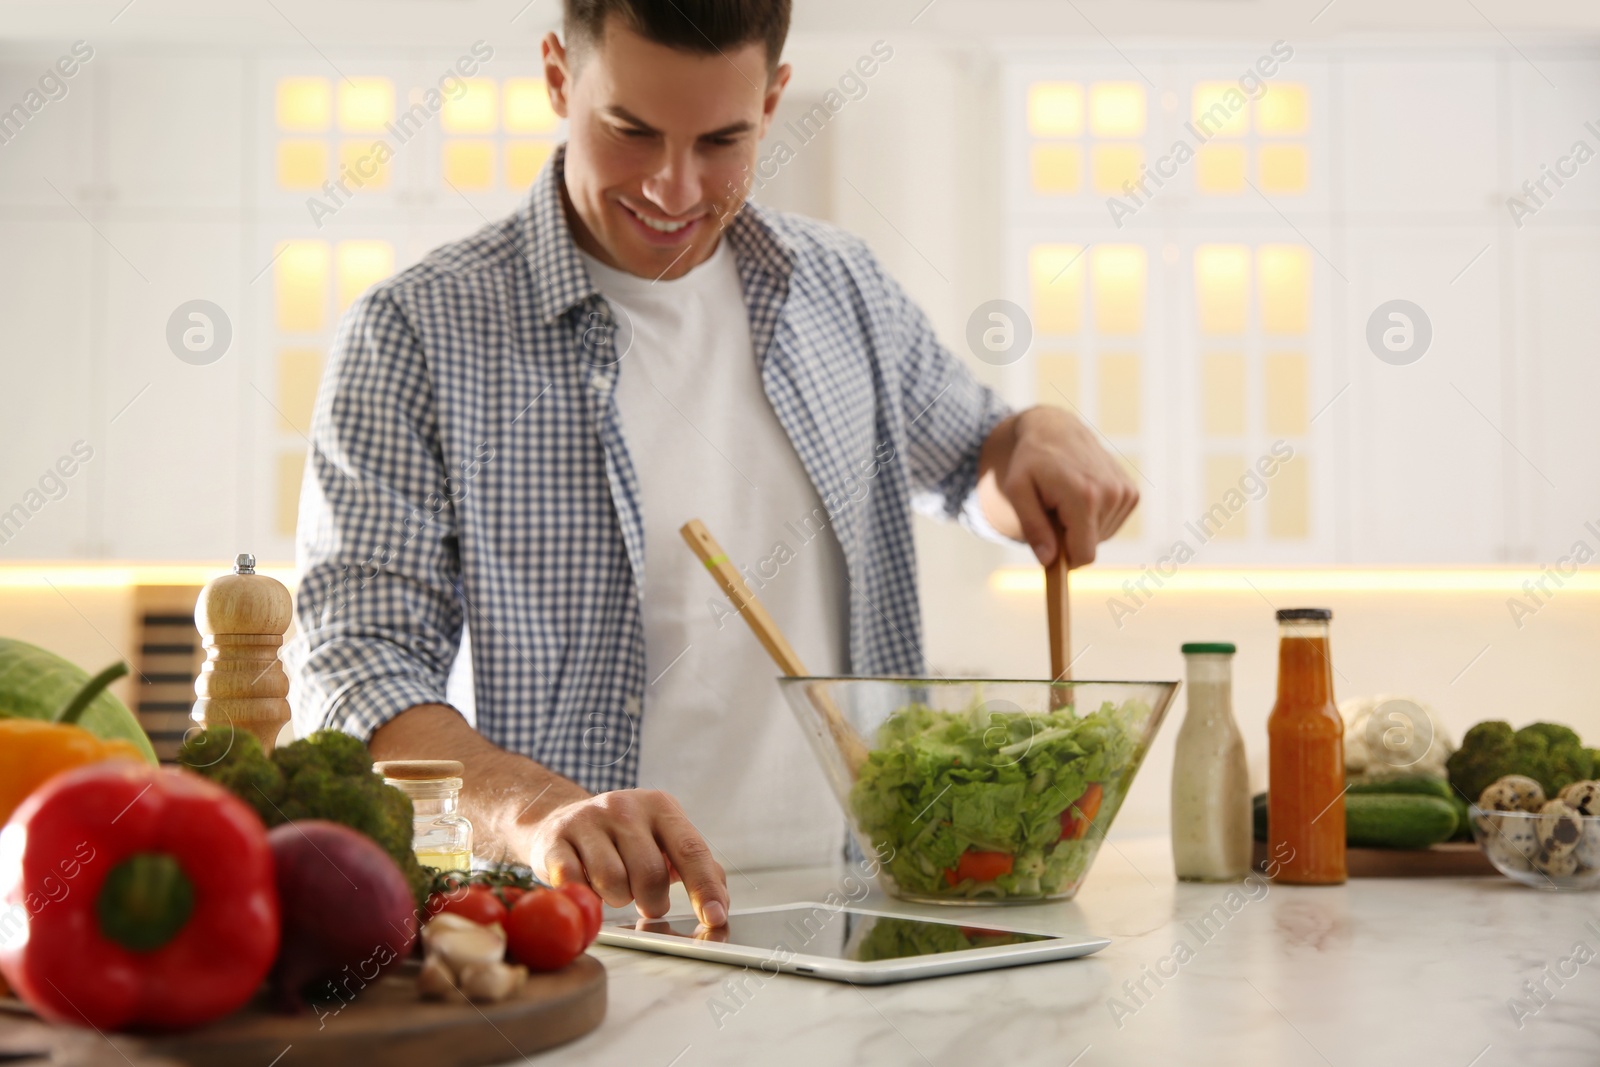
(1059, 610)
(750, 609)
(849, 743)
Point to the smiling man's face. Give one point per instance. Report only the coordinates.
(660, 145)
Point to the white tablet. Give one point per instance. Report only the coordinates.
(847, 944)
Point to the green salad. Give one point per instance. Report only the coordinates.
(983, 803)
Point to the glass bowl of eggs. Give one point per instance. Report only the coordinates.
(1546, 843)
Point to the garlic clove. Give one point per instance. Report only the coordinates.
(461, 942)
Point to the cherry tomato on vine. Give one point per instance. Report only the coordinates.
(545, 930)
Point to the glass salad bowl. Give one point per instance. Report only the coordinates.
(1545, 851)
(979, 792)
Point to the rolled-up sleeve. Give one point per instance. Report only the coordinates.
(378, 618)
(948, 412)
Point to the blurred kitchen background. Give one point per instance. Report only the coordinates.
(172, 273)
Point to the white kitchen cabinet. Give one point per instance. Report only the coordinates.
(172, 428)
(44, 363)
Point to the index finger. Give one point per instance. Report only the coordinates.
(690, 856)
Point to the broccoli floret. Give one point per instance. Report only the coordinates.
(1484, 755)
(328, 775)
(1550, 754)
(234, 760)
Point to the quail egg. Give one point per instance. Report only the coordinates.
(1514, 792)
(1560, 827)
(1510, 841)
(1584, 796)
(1588, 850)
(1556, 864)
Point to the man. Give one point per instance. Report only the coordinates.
(510, 434)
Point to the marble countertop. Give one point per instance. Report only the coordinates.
(1423, 972)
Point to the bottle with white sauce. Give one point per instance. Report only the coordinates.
(1211, 830)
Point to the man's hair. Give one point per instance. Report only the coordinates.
(708, 26)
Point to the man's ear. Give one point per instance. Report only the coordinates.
(557, 73)
(775, 87)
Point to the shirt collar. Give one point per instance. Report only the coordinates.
(561, 280)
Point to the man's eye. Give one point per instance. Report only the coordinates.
(629, 131)
(721, 142)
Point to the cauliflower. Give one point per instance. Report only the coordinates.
(1388, 737)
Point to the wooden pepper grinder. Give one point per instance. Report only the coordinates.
(242, 618)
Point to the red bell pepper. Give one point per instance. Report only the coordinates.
(979, 866)
(133, 897)
(1081, 812)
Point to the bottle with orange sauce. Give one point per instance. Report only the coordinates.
(1305, 787)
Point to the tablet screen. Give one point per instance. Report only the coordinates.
(838, 933)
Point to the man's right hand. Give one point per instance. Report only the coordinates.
(631, 844)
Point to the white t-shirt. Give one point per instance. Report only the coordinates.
(705, 443)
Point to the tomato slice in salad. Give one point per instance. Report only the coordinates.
(1081, 812)
(979, 866)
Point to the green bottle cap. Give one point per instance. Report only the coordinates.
(1213, 648)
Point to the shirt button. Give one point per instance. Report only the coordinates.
(600, 382)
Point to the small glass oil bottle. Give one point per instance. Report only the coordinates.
(441, 835)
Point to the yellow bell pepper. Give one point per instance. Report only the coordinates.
(32, 751)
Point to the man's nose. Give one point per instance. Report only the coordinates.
(675, 187)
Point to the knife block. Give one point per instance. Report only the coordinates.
(242, 618)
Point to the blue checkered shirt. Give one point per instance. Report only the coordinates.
(467, 467)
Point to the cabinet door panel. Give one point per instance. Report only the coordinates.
(1426, 482)
(44, 364)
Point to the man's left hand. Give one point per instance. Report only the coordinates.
(1043, 463)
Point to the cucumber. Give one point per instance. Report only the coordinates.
(1414, 784)
(1397, 820)
(1463, 819)
(1386, 820)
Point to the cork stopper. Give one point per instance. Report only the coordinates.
(242, 618)
(420, 770)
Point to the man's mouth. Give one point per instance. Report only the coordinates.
(661, 226)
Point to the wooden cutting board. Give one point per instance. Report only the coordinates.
(386, 1025)
(1453, 859)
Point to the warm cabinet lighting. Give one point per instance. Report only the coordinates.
(1222, 474)
(1055, 109)
(1283, 168)
(469, 164)
(1116, 166)
(1116, 109)
(1119, 394)
(1055, 168)
(1057, 379)
(1286, 394)
(300, 285)
(1289, 502)
(304, 105)
(1222, 287)
(524, 160)
(366, 105)
(1222, 389)
(1283, 111)
(1220, 110)
(528, 109)
(1056, 280)
(1119, 276)
(302, 164)
(360, 264)
(473, 111)
(1219, 168)
(1254, 582)
(1285, 279)
(299, 370)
